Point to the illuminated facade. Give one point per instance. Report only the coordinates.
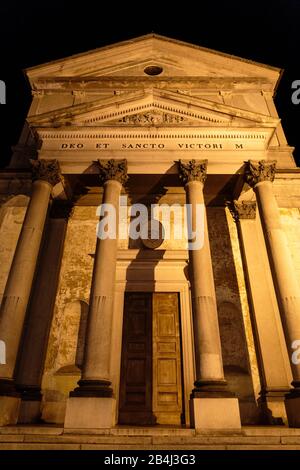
(98, 333)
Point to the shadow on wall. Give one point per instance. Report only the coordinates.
(69, 361)
(232, 331)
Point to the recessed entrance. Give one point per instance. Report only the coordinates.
(151, 379)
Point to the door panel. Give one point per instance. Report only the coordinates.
(150, 387)
(167, 386)
(136, 368)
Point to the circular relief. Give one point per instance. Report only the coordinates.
(155, 236)
(153, 70)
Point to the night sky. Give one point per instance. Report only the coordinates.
(34, 32)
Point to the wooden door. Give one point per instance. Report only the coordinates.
(151, 387)
(136, 368)
(167, 385)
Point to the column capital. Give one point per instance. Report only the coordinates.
(243, 210)
(257, 171)
(46, 170)
(192, 170)
(113, 170)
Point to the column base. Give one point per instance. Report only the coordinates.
(93, 388)
(9, 402)
(9, 410)
(211, 389)
(215, 414)
(30, 406)
(90, 413)
(292, 406)
(272, 407)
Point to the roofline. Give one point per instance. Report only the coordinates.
(156, 36)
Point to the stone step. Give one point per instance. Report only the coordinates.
(146, 431)
(44, 438)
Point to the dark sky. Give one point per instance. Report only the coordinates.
(34, 32)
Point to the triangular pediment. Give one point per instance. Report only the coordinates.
(153, 108)
(133, 58)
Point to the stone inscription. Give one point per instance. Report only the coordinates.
(151, 146)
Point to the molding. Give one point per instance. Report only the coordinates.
(152, 255)
(102, 83)
(119, 133)
(116, 107)
(159, 117)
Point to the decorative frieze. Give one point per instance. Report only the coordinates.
(113, 170)
(192, 170)
(258, 171)
(151, 119)
(46, 170)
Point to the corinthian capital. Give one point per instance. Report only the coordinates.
(258, 171)
(113, 170)
(46, 170)
(244, 209)
(192, 170)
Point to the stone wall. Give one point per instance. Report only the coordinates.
(65, 347)
(290, 219)
(238, 350)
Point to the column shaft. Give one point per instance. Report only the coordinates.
(283, 270)
(212, 406)
(209, 365)
(98, 341)
(18, 286)
(95, 381)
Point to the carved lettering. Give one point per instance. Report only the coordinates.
(72, 146)
(199, 146)
(102, 145)
(130, 144)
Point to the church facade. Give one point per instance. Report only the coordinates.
(195, 323)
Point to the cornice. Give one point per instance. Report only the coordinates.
(106, 109)
(233, 83)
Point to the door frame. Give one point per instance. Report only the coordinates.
(169, 275)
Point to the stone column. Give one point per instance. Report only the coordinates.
(260, 175)
(212, 405)
(94, 396)
(32, 355)
(272, 357)
(45, 174)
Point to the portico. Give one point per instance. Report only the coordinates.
(146, 331)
